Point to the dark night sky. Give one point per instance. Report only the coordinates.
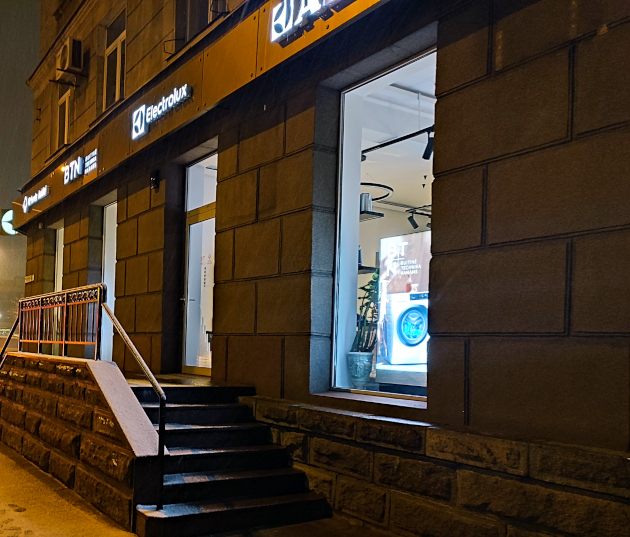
(19, 55)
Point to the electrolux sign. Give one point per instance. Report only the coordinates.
(289, 16)
(145, 115)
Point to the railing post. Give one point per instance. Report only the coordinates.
(40, 327)
(64, 345)
(161, 434)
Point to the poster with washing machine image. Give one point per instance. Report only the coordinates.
(404, 300)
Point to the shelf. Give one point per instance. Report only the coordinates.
(367, 270)
(364, 216)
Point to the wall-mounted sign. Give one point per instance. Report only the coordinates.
(73, 170)
(289, 16)
(29, 201)
(29, 279)
(6, 223)
(145, 115)
(91, 162)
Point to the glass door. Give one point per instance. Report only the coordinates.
(201, 182)
(110, 213)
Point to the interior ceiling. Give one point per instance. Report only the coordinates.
(397, 104)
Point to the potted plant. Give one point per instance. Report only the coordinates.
(361, 354)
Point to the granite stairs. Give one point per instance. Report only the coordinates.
(223, 473)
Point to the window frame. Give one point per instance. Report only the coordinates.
(117, 45)
(64, 99)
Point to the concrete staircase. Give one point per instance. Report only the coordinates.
(223, 473)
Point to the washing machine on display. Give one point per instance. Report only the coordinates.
(407, 330)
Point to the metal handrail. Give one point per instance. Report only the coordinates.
(8, 340)
(158, 390)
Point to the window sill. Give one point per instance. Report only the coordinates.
(375, 399)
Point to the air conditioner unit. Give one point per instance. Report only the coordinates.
(69, 60)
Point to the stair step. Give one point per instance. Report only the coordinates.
(194, 394)
(201, 414)
(200, 518)
(184, 460)
(209, 436)
(216, 486)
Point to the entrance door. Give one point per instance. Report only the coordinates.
(201, 183)
(109, 277)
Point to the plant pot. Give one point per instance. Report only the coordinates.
(359, 368)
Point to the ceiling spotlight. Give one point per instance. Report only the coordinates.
(428, 151)
(413, 222)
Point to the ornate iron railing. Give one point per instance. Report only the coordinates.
(57, 321)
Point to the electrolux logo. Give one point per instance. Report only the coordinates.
(291, 15)
(29, 201)
(145, 115)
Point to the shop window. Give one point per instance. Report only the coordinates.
(384, 246)
(110, 213)
(192, 16)
(201, 187)
(114, 75)
(63, 115)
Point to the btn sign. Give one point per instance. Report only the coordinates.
(291, 15)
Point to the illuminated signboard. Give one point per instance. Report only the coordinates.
(91, 162)
(145, 115)
(289, 16)
(7, 223)
(29, 201)
(79, 167)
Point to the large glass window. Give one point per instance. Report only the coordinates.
(201, 184)
(115, 61)
(384, 248)
(110, 225)
(59, 259)
(192, 16)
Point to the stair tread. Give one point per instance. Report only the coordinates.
(194, 406)
(223, 427)
(200, 508)
(208, 477)
(180, 451)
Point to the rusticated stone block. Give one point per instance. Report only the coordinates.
(40, 401)
(415, 476)
(36, 452)
(105, 424)
(17, 375)
(516, 532)
(48, 367)
(74, 389)
(83, 373)
(280, 413)
(79, 415)
(106, 458)
(552, 509)
(342, 458)
(34, 379)
(14, 392)
(32, 423)
(392, 433)
(62, 468)
(411, 514)
(320, 481)
(330, 422)
(483, 451)
(362, 500)
(296, 445)
(30, 363)
(12, 437)
(591, 469)
(18, 362)
(52, 383)
(94, 397)
(13, 414)
(57, 436)
(104, 497)
(66, 370)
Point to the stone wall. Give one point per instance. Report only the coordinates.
(83, 246)
(40, 261)
(415, 479)
(529, 316)
(53, 413)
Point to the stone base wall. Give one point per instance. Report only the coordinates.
(415, 479)
(53, 414)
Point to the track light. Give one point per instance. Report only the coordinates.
(428, 151)
(413, 222)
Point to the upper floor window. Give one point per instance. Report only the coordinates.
(192, 16)
(62, 117)
(115, 61)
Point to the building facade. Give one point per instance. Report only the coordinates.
(221, 165)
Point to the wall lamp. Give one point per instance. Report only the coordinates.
(155, 180)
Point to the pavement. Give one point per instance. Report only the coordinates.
(34, 504)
